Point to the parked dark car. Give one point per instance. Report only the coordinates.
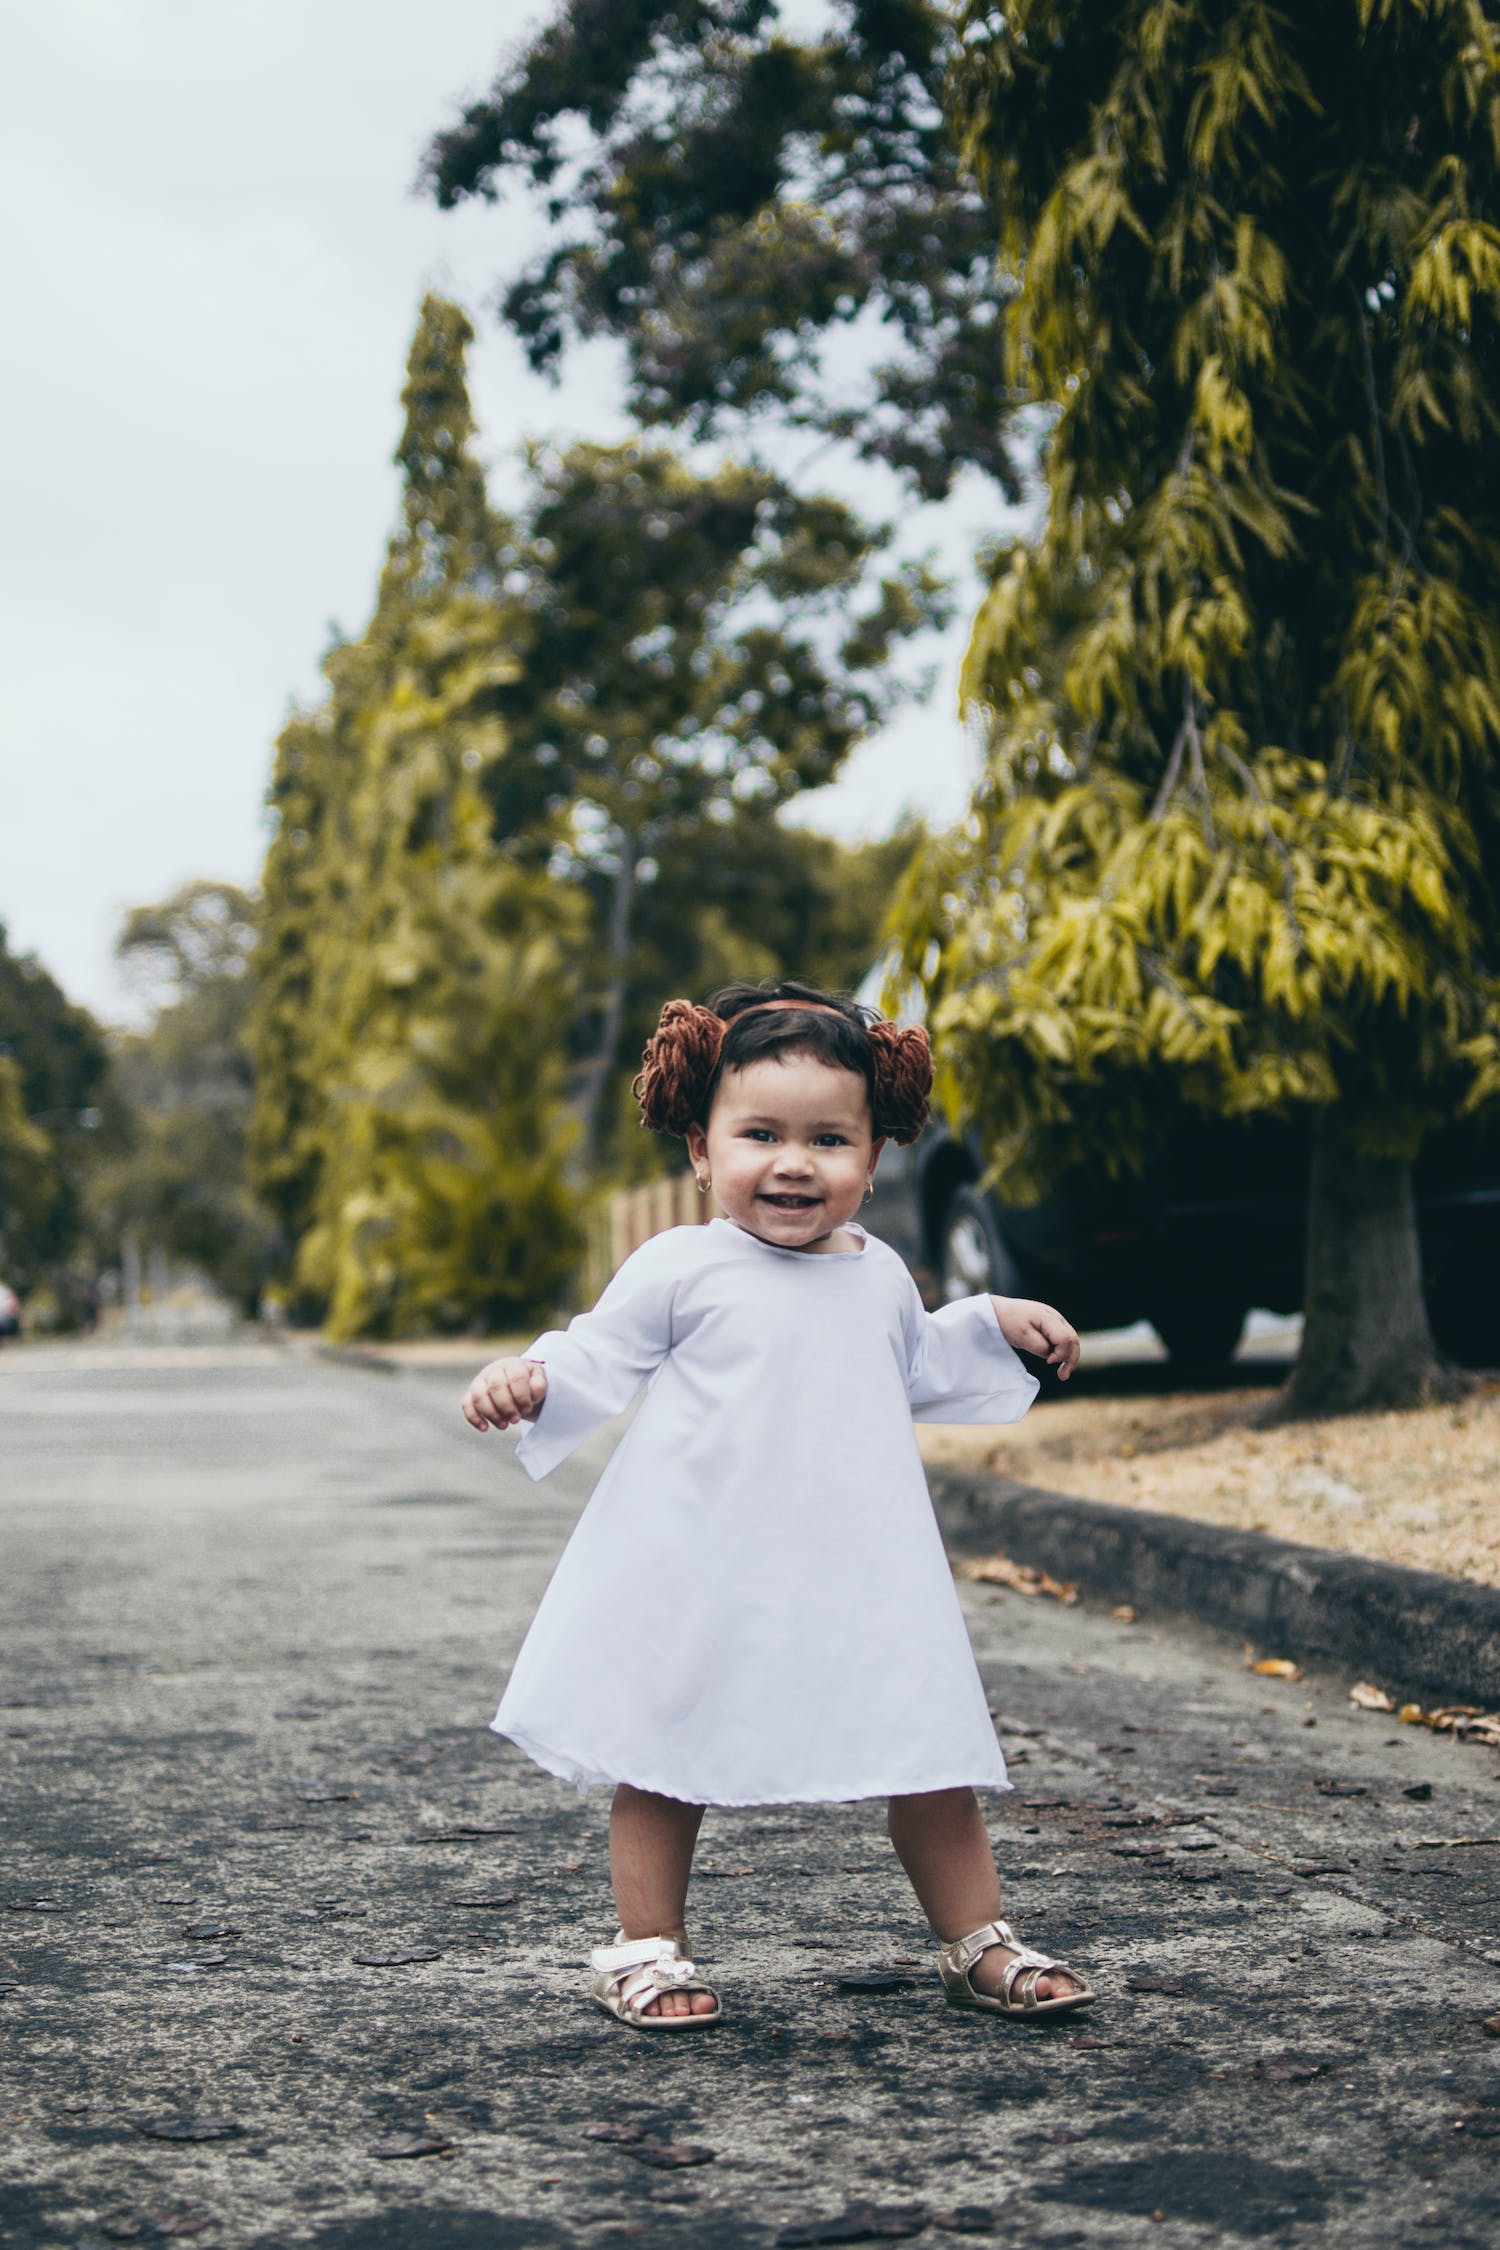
(1215, 1227)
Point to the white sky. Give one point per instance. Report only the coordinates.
(212, 267)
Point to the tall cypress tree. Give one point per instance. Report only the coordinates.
(410, 1031)
(1237, 841)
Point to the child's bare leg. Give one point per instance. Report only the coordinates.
(940, 1840)
(651, 1843)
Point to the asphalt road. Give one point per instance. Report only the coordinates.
(256, 1612)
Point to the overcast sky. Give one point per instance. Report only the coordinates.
(212, 270)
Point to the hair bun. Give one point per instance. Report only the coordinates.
(680, 1058)
(903, 1080)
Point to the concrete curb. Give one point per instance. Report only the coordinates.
(1413, 1629)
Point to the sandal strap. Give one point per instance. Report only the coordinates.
(633, 1953)
(965, 1951)
(662, 1976)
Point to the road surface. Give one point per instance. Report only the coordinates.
(257, 1611)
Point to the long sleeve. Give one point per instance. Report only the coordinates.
(596, 1365)
(963, 1370)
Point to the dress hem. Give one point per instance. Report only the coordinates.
(583, 1778)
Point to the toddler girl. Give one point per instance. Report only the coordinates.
(755, 1607)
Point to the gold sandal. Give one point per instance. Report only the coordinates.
(1017, 1994)
(628, 1977)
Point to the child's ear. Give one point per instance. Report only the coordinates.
(875, 1149)
(697, 1144)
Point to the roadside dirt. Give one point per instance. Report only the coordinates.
(1417, 1488)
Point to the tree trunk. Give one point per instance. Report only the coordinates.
(1366, 1341)
(612, 1014)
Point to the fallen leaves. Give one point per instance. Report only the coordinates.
(398, 1960)
(1453, 1843)
(667, 2156)
(468, 1833)
(1020, 1578)
(1287, 2070)
(1466, 1722)
(632, 2140)
(863, 2222)
(396, 2146)
(187, 2128)
(1271, 1667)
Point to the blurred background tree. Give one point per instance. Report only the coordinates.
(537, 799)
(694, 651)
(53, 1074)
(1237, 842)
(766, 210)
(172, 1168)
(415, 992)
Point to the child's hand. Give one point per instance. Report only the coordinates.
(1040, 1329)
(506, 1392)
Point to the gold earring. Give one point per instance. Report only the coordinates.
(704, 1182)
(869, 1189)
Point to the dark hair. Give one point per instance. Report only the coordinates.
(694, 1046)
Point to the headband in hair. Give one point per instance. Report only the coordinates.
(682, 1057)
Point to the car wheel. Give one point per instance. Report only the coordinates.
(973, 1257)
(1200, 1335)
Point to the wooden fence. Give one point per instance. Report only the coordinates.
(630, 1217)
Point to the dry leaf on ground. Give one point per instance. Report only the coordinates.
(999, 1570)
(1272, 1667)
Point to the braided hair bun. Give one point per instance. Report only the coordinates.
(679, 1067)
(903, 1080)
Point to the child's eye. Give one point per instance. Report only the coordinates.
(832, 1140)
(759, 1133)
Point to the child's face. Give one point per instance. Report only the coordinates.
(788, 1148)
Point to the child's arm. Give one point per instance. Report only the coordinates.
(504, 1393)
(594, 1367)
(1039, 1329)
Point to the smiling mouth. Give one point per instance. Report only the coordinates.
(792, 1202)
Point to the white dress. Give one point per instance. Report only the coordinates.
(755, 1607)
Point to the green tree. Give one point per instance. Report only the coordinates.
(302, 883)
(690, 655)
(442, 1200)
(173, 1169)
(415, 985)
(1237, 842)
(53, 1070)
(729, 195)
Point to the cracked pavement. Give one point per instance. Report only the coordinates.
(257, 1612)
